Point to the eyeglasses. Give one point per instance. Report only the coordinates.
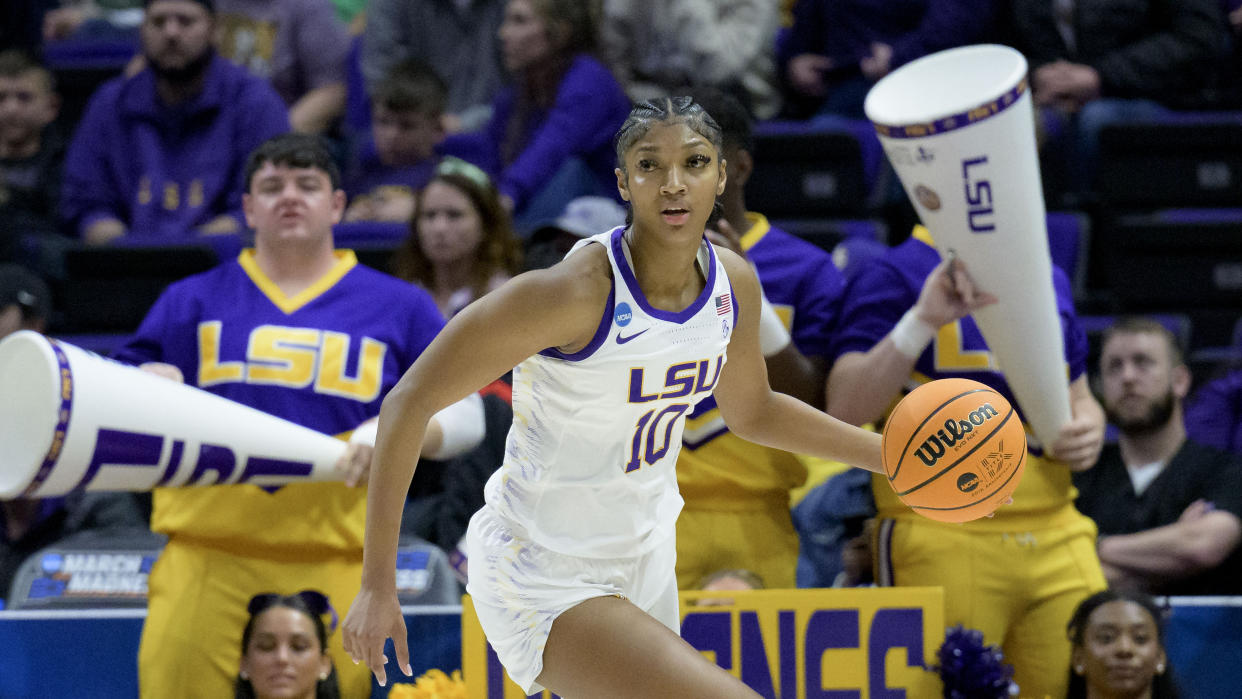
(316, 601)
(450, 165)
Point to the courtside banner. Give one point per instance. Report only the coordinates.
(869, 643)
(72, 420)
(958, 127)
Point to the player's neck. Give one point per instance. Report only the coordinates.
(1158, 445)
(666, 270)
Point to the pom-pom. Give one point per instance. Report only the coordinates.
(971, 670)
(433, 684)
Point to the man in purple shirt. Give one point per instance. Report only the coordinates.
(160, 155)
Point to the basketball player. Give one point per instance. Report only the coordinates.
(571, 559)
(737, 493)
(1017, 576)
(300, 330)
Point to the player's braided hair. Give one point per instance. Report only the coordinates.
(665, 110)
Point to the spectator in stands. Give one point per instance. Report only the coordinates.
(1214, 413)
(284, 648)
(549, 139)
(460, 245)
(737, 494)
(31, 155)
(30, 524)
(726, 580)
(159, 156)
(1169, 510)
(1099, 63)
(299, 46)
(407, 110)
(1118, 640)
(582, 218)
(457, 39)
(298, 329)
(94, 20)
(662, 48)
(838, 49)
(1016, 576)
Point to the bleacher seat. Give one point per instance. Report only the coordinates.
(110, 289)
(424, 574)
(1174, 259)
(105, 568)
(807, 172)
(1184, 160)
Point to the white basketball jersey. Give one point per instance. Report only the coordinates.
(589, 463)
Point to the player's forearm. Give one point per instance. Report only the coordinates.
(397, 445)
(783, 422)
(862, 385)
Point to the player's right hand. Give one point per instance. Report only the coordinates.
(373, 618)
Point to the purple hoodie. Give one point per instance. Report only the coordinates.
(164, 170)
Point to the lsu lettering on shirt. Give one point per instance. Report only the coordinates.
(589, 464)
(876, 299)
(323, 359)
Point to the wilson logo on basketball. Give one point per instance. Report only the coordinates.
(934, 447)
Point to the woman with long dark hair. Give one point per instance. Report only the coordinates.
(550, 136)
(1118, 649)
(285, 649)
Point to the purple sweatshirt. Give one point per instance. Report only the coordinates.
(590, 106)
(844, 30)
(165, 170)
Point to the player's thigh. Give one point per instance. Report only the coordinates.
(761, 541)
(607, 647)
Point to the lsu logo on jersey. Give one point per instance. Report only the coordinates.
(295, 358)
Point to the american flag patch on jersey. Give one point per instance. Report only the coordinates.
(724, 304)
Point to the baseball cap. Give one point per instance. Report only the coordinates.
(586, 216)
(22, 287)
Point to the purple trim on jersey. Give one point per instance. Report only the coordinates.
(601, 333)
(62, 424)
(672, 316)
(956, 121)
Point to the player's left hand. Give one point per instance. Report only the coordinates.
(355, 464)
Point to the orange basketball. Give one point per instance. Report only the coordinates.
(954, 450)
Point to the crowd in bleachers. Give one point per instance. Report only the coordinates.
(475, 140)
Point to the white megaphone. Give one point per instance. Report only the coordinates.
(958, 127)
(72, 420)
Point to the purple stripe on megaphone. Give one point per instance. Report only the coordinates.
(62, 423)
(956, 121)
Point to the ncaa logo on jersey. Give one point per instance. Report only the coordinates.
(623, 315)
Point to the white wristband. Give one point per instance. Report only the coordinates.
(462, 425)
(773, 337)
(911, 335)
